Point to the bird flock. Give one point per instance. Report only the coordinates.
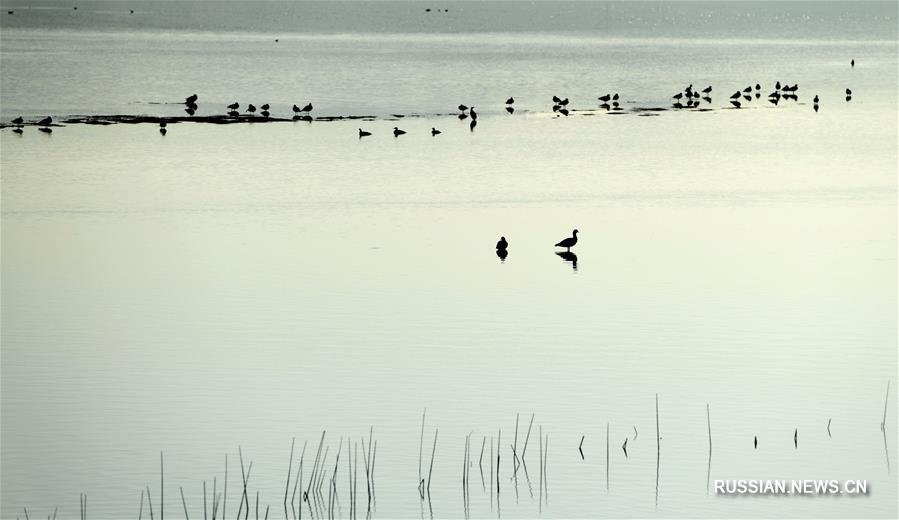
(688, 98)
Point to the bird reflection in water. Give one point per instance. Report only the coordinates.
(568, 256)
(502, 254)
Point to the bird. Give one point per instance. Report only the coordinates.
(707, 89)
(848, 92)
(615, 97)
(510, 101)
(463, 116)
(46, 130)
(747, 89)
(677, 96)
(462, 108)
(233, 106)
(472, 113)
(18, 130)
(296, 109)
(607, 97)
(397, 132)
(852, 63)
(18, 121)
(234, 113)
(755, 442)
(556, 99)
(434, 131)
(569, 242)
(474, 123)
(736, 95)
(251, 108)
(502, 244)
(564, 102)
(363, 133)
(758, 87)
(777, 86)
(307, 108)
(190, 100)
(45, 121)
(816, 99)
(265, 106)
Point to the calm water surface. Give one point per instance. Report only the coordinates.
(242, 285)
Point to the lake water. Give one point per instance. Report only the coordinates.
(242, 285)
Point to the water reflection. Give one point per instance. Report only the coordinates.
(568, 256)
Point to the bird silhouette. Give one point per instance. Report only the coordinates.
(563, 111)
(848, 92)
(363, 133)
(18, 121)
(678, 96)
(190, 100)
(307, 108)
(251, 108)
(606, 97)
(472, 113)
(615, 97)
(45, 121)
(707, 89)
(18, 130)
(462, 108)
(564, 102)
(265, 113)
(434, 132)
(852, 63)
(163, 131)
(296, 109)
(264, 107)
(510, 101)
(502, 244)
(463, 116)
(736, 103)
(755, 442)
(569, 242)
(46, 130)
(816, 99)
(556, 99)
(397, 132)
(736, 95)
(233, 106)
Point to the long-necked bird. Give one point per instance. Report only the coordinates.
(397, 132)
(472, 113)
(569, 242)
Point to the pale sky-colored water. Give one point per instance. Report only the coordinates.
(245, 284)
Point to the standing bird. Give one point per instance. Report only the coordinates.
(848, 92)
(307, 108)
(569, 242)
(251, 108)
(233, 106)
(265, 107)
(434, 131)
(502, 245)
(472, 113)
(510, 101)
(45, 121)
(777, 86)
(397, 132)
(462, 108)
(605, 98)
(190, 100)
(363, 133)
(758, 87)
(707, 89)
(755, 442)
(556, 99)
(736, 95)
(615, 97)
(18, 121)
(816, 99)
(296, 109)
(677, 96)
(852, 63)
